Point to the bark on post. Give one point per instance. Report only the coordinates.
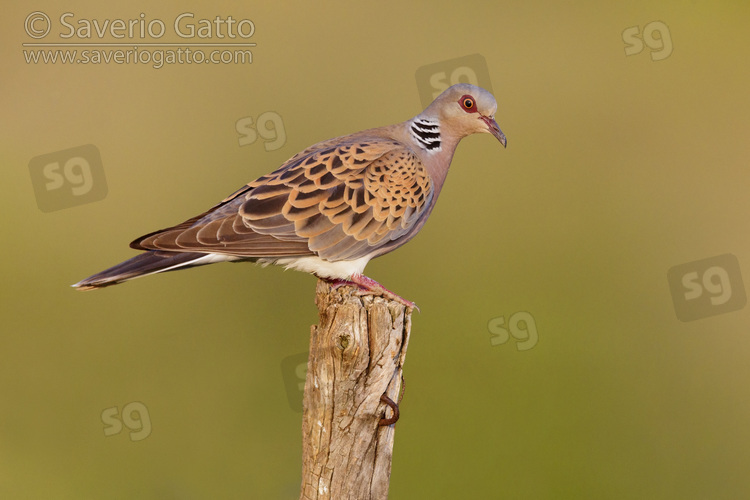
(357, 354)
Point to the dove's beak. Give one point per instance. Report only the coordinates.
(494, 129)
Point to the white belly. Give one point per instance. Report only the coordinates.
(342, 269)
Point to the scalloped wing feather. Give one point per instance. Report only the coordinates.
(339, 200)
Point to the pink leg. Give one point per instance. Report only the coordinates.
(372, 287)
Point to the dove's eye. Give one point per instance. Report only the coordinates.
(468, 103)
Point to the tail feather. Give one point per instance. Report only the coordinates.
(150, 262)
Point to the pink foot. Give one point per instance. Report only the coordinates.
(372, 287)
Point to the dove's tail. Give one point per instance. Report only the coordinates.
(149, 262)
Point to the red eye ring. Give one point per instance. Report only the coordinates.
(468, 103)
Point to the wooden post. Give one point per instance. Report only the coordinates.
(357, 354)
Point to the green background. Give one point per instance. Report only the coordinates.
(617, 169)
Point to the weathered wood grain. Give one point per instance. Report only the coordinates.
(357, 353)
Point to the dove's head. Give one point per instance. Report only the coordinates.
(466, 109)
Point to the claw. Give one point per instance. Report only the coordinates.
(369, 286)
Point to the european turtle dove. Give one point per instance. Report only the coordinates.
(331, 208)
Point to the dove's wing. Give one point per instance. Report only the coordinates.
(340, 200)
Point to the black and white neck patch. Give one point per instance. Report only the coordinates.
(426, 133)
